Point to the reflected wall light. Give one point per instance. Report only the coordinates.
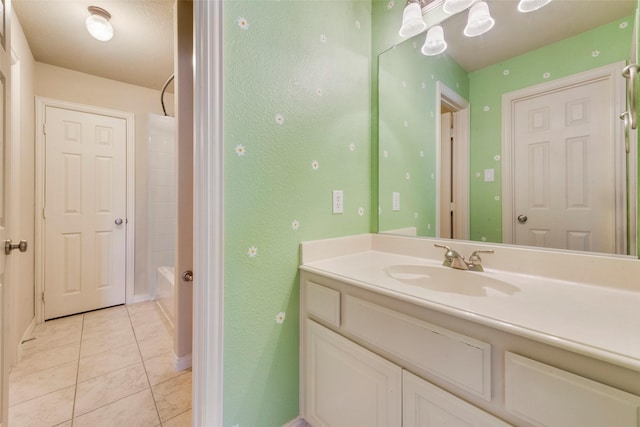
(455, 6)
(98, 24)
(434, 44)
(412, 22)
(480, 20)
(531, 5)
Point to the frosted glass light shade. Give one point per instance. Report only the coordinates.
(98, 24)
(412, 22)
(480, 20)
(531, 5)
(454, 6)
(434, 44)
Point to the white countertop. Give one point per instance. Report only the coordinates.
(599, 321)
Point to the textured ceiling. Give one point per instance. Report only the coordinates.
(140, 53)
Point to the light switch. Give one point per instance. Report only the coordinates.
(488, 175)
(338, 201)
(396, 201)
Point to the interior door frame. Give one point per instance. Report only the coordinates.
(41, 106)
(613, 72)
(460, 106)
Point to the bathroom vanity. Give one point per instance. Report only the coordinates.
(390, 337)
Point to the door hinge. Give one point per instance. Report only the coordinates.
(44, 128)
(451, 207)
(451, 133)
(44, 213)
(43, 297)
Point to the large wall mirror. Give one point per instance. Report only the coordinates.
(513, 136)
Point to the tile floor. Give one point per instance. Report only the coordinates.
(110, 367)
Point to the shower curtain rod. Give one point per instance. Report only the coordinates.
(164, 88)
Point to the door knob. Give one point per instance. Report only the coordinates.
(10, 246)
(522, 219)
(187, 276)
(118, 221)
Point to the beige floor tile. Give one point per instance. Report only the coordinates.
(102, 343)
(106, 314)
(173, 397)
(182, 420)
(45, 411)
(42, 382)
(142, 308)
(137, 410)
(160, 368)
(96, 329)
(108, 361)
(54, 333)
(37, 361)
(65, 424)
(155, 346)
(141, 319)
(108, 388)
(155, 329)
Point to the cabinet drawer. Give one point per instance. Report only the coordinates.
(323, 303)
(425, 405)
(548, 396)
(463, 361)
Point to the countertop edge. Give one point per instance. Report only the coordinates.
(555, 341)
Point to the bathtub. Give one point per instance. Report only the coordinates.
(165, 295)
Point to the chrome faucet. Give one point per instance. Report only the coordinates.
(454, 260)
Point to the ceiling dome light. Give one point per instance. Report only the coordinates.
(480, 20)
(532, 5)
(454, 6)
(412, 22)
(98, 24)
(434, 44)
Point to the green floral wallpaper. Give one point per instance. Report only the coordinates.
(297, 126)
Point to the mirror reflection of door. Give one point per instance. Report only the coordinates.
(564, 151)
(453, 164)
(446, 173)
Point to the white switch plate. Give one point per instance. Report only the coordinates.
(396, 201)
(338, 201)
(488, 175)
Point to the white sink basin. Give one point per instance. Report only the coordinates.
(446, 279)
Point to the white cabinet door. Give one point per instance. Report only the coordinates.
(346, 385)
(425, 405)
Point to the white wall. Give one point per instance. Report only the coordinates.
(63, 84)
(23, 289)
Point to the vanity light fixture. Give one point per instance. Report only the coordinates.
(412, 22)
(480, 20)
(455, 6)
(531, 5)
(434, 44)
(98, 24)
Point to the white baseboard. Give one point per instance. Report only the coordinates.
(183, 362)
(28, 333)
(297, 422)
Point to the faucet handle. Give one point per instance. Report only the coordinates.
(475, 259)
(475, 255)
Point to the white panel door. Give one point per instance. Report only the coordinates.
(6, 187)
(347, 385)
(564, 169)
(85, 211)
